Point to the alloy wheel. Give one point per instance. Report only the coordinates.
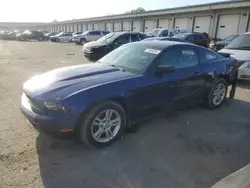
(106, 125)
(219, 94)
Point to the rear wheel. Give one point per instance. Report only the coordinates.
(103, 124)
(217, 93)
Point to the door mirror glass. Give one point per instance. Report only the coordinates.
(165, 68)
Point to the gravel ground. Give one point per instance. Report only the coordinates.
(191, 148)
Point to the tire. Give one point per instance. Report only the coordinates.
(57, 40)
(82, 41)
(216, 100)
(95, 134)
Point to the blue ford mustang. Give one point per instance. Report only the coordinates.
(97, 101)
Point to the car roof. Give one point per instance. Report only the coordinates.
(124, 32)
(159, 44)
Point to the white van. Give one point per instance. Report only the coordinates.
(165, 32)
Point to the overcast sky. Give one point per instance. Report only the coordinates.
(49, 10)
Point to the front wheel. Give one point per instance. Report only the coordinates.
(217, 94)
(83, 41)
(103, 124)
(57, 40)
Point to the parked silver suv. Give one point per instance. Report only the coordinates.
(88, 36)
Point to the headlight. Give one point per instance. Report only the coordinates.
(54, 106)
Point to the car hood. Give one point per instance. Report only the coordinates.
(222, 42)
(62, 82)
(53, 36)
(240, 55)
(78, 35)
(93, 44)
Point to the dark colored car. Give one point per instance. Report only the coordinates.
(216, 46)
(195, 38)
(96, 49)
(29, 35)
(97, 101)
(165, 39)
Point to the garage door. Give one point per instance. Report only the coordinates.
(72, 28)
(228, 25)
(79, 27)
(202, 24)
(84, 27)
(117, 26)
(126, 26)
(90, 26)
(95, 26)
(75, 27)
(149, 25)
(163, 23)
(109, 27)
(180, 23)
(136, 26)
(101, 26)
(68, 28)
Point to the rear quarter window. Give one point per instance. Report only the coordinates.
(207, 56)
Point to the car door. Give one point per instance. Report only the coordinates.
(62, 37)
(95, 35)
(169, 90)
(186, 82)
(68, 37)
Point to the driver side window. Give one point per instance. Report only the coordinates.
(164, 33)
(124, 39)
(179, 58)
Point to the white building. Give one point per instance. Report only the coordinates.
(217, 19)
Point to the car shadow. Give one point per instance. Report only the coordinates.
(193, 147)
(243, 84)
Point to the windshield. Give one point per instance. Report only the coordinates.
(242, 42)
(107, 38)
(155, 32)
(180, 36)
(59, 34)
(230, 38)
(133, 57)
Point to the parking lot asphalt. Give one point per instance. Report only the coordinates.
(191, 148)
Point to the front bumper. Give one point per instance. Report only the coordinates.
(244, 73)
(48, 123)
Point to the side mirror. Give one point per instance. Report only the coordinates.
(165, 68)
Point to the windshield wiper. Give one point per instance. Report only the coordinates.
(118, 68)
